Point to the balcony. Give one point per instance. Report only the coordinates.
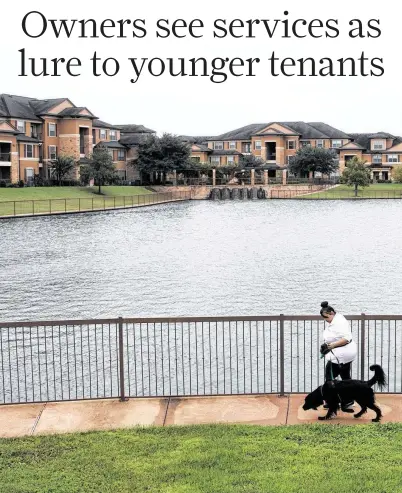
(5, 157)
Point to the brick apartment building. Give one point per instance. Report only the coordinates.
(276, 143)
(34, 132)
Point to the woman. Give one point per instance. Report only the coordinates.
(339, 348)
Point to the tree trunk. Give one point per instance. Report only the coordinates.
(99, 188)
(356, 186)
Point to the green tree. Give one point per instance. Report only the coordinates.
(163, 154)
(314, 159)
(397, 174)
(62, 167)
(100, 167)
(356, 174)
(250, 161)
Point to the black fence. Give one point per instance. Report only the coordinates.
(137, 357)
(90, 204)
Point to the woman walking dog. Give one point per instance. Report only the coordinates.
(339, 349)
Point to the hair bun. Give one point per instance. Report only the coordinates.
(324, 304)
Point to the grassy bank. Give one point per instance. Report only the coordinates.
(377, 190)
(56, 199)
(208, 459)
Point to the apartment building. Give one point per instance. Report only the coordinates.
(277, 142)
(34, 132)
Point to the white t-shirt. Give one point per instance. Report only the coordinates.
(339, 329)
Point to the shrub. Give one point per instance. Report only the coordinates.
(21, 184)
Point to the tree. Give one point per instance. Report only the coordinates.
(163, 154)
(100, 167)
(397, 174)
(61, 167)
(250, 161)
(356, 174)
(314, 159)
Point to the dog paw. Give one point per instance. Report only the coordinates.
(376, 420)
(357, 415)
(347, 410)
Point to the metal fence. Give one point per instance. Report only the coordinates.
(134, 357)
(91, 204)
(336, 194)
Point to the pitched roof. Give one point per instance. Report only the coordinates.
(305, 130)
(352, 145)
(17, 107)
(43, 106)
(113, 144)
(77, 112)
(202, 148)
(136, 129)
(331, 132)
(242, 132)
(195, 140)
(101, 124)
(221, 152)
(26, 138)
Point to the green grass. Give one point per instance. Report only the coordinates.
(377, 190)
(58, 199)
(208, 459)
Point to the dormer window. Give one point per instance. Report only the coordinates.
(378, 145)
(218, 146)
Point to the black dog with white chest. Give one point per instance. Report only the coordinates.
(336, 391)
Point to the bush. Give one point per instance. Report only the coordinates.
(2, 184)
(21, 184)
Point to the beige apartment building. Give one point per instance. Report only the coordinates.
(34, 132)
(277, 142)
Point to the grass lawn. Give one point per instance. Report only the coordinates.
(57, 199)
(208, 459)
(377, 190)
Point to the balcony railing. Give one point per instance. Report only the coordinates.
(5, 156)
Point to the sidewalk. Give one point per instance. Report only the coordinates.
(79, 416)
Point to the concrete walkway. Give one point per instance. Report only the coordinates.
(79, 416)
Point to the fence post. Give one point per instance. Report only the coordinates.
(282, 354)
(121, 361)
(362, 344)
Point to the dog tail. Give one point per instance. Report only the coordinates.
(379, 376)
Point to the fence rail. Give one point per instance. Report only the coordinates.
(158, 357)
(23, 208)
(336, 194)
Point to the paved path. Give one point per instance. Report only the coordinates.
(79, 416)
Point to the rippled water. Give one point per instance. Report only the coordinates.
(204, 258)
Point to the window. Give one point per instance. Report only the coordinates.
(34, 131)
(289, 159)
(392, 158)
(112, 134)
(102, 134)
(21, 126)
(305, 143)
(232, 145)
(291, 144)
(230, 160)
(215, 160)
(377, 159)
(52, 152)
(319, 144)
(336, 143)
(121, 155)
(195, 159)
(218, 146)
(246, 148)
(52, 130)
(29, 151)
(257, 145)
(378, 145)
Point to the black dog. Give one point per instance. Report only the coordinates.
(336, 391)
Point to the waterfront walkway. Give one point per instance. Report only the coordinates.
(80, 416)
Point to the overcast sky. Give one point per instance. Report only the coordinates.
(195, 105)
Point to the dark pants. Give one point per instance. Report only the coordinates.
(343, 370)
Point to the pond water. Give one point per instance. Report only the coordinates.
(204, 259)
